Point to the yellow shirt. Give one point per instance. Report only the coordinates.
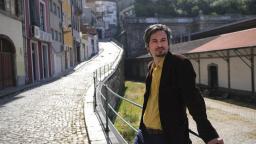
(151, 117)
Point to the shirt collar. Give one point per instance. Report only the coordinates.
(160, 64)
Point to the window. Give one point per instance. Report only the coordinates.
(2, 4)
(60, 37)
(42, 16)
(54, 8)
(52, 31)
(50, 1)
(56, 35)
(62, 17)
(17, 4)
(58, 8)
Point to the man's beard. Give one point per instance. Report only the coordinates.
(161, 53)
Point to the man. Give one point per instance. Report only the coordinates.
(170, 89)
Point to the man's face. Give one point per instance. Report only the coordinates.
(158, 44)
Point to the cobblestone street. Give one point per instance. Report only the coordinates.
(52, 112)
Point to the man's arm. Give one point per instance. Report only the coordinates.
(195, 102)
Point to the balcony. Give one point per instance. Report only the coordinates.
(41, 35)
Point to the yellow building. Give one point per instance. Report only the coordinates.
(67, 30)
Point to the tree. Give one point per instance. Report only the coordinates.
(193, 7)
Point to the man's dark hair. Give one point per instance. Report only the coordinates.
(154, 28)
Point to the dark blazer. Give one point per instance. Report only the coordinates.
(177, 91)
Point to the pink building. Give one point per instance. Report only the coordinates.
(38, 51)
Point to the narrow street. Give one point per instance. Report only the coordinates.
(52, 112)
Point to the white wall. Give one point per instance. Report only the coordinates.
(195, 66)
(13, 29)
(240, 74)
(222, 71)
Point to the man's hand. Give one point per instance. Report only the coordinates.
(216, 141)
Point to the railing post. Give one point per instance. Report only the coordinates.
(107, 111)
(94, 95)
(109, 68)
(100, 73)
(104, 71)
(96, 75)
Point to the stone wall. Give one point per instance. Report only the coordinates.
(132, 35)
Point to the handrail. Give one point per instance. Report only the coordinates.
(115, 94)
(122, 118)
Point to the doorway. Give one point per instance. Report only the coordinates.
(34, 62)
(45, 61)
(7, 52)
(213, 75)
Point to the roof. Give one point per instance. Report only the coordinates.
(240, 39)
(181, 48)
(144, 56)
(227, 28)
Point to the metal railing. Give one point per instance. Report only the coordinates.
(101, 101)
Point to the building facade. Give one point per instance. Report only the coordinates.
(88, 30)
(12, 67)
(57, 44)
(40, 39)
(76, 10)
(72, 10)
(67, 31)
(227, 64)
(38, 53)
(106, 17)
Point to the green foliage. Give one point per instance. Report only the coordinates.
(150, 8)
(134, 91)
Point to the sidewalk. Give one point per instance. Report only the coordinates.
(93, 126)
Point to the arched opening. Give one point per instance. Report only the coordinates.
(7, 53)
